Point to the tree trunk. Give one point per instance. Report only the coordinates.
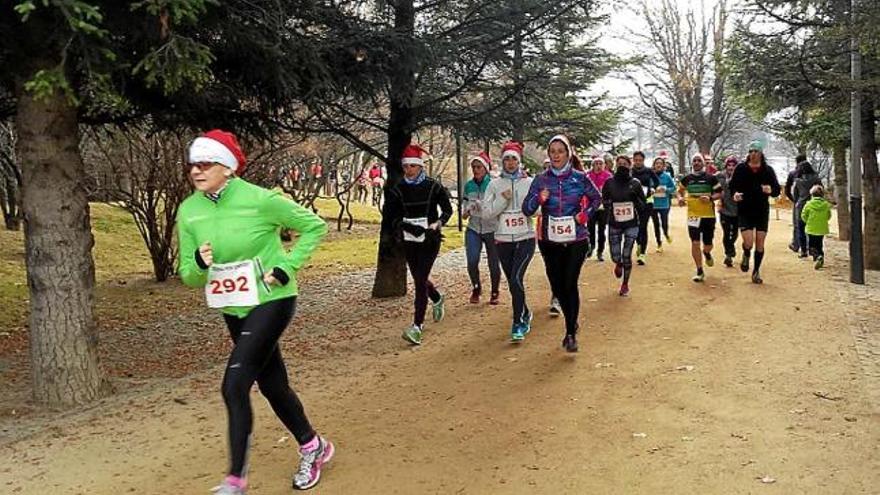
(871, 186)
(681, 153)
(390, 280)
(838, 156)
(518, 125)
(58, 243)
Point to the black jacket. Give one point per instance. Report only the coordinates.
(622, 188)
(647, 177)
(747, 182)
(416, 201)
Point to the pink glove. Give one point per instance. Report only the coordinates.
(581, 218)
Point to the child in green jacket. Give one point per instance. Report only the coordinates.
(816, 214)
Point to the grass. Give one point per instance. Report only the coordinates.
(123, 269)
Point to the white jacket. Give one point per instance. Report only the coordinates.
(494, 205)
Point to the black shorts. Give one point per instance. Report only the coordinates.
(706, 230)
(758, 222)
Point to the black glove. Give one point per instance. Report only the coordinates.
(415, 230)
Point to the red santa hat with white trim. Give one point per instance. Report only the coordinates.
(483, 158)
(512, 149)
(217, 146)
(412, 155)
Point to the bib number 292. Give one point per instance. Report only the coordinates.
(228, 285)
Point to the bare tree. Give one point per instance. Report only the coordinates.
(10, 178)
(687, 87)
(143, 173)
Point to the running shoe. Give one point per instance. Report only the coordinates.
(589, 254)
(438, 310)
(555, 308)
(229, 487)
(710, 261)
(600, 258)
(820, 262)
(699, 277)
(413, 334)
(756, 278)
(803, 254)
(618, 270)
(624, 289)
(659, 249)
(527, 323)
(310, 465)
(493, 299)
(641, 259)
(668, 239)
(516, 333)
(570, 343)
(728, 261)
(744, 265)
(475, 296)
(793, 247)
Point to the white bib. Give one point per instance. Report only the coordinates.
(232, 284)
(660, 193)
(512, 223)
(624, 212)
(421, 222)
(561, 229)
(694, 222)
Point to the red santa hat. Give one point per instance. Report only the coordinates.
(217, 146)
(412, 155)
(483, 158)
(512, 149)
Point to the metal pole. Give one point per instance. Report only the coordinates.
(458, 174)
(856, 255)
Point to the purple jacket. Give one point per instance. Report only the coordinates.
(571, 193)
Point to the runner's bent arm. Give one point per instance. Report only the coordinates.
(445, 205)
(593, 197)
(531, 203)
(775, 190)
(191, 273)
(310, 227)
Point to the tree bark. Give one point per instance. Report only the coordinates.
(681, 153)
(58, 243)
(390, 280)
(838, 156)
(871, 186)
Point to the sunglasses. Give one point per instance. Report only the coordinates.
(202, 166)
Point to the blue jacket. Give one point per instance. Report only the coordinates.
(571, 193)
(668, 182)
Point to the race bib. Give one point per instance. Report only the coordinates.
(232, 284)
(512, 223)
(561, 229)
(421, 222)
(624, 212)
(694, 222)
(660, 193)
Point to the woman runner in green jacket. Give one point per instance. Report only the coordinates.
(230, 245)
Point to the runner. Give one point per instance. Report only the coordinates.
(599, 222)
(411, 206)
(514, 233)
(649, 182)
(625, 202)
(480, 231)
(702, 190)
(560, 192)
(806, 179)
(609, 162)
(377, 181)
(753, 183)
(555, 309)
(662, 203)
(727, 211)
(229, 244)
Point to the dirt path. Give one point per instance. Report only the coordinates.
(681, 388)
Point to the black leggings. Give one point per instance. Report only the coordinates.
(420, 257)
(622, 241)
(256, 357)
(643, 229)
(515, 258)
(730, 230)
(563, 262)
(597, 239)
(660, 218)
